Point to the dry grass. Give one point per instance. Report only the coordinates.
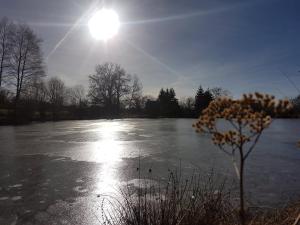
(195, 201)
(289, 215)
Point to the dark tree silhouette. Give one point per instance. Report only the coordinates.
(198, 99)
(168, 103)
(108, 85)
(187, 106)
(152, 108)
(202, 99)
(34, 98)
(218, 92)
(76, 95)
(296, 103)
(77, 102)
(122, 87)
(135, 97)
(56, 94)
(6, 30)
(26, 62)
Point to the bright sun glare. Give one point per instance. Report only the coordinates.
(104, 24)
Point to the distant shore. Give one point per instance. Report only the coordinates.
(11, 122)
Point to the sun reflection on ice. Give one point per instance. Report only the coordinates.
(107, 151)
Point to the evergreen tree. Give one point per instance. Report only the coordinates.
(202, 100)
(168, 103)
(198, 98)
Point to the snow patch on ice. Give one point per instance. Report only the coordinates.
(16, 198)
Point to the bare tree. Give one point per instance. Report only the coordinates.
(135, 98)
(101, 85)
(6, 29)
(5, 97)
(36, 91)
(26, 62)
(218, 92)
(56, 91)
(122, 87)
(56, 94)
(76, 95)
(188, 103)
(40, 92)
(108, 85)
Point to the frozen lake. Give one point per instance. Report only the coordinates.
(48, 163)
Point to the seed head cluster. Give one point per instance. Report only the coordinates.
(248, 117)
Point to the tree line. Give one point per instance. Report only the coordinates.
(26, 94)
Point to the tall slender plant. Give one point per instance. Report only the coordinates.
(247, 119)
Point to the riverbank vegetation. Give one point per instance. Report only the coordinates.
(194, 200)
(177, 200)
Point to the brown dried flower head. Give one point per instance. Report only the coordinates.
(248, 117)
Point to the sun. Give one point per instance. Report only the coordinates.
(104, 24)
